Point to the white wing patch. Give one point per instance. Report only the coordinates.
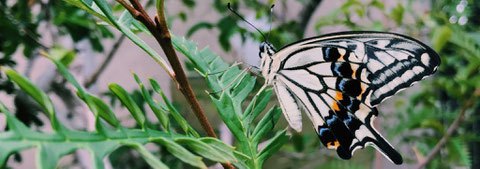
(303, 78)
(322, 69)
(290, 108)
(304, 57)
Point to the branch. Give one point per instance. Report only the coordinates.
(307, 13)
(160, 32)
(450, 131)
(94, 77)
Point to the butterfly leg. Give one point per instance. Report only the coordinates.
(250, 109)
(242, 75)
(228, 68)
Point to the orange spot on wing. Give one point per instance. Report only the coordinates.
(335, 106)
(363, 91)
(338, 96)
(354, 72)
(333, 144)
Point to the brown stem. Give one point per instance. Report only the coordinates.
(450, 131)
(160, 32)
(94, 77)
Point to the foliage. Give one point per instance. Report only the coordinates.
(25, 27)
(106, 138)
(235, 85)
(430, 111)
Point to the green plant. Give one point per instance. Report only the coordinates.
(109, 134)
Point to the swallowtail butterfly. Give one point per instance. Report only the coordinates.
(338, 79)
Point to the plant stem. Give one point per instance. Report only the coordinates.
(160, 32)
(450, 130)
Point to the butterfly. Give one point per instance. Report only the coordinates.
(338, 80)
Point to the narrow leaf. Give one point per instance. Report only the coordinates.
(176, 115)
(157, 110)
(266, 124)
(181, 153)
(129, 103)
(38, 95)
(273, 146)
(203, 149)
(153, 161)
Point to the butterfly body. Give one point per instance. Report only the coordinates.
(338, 79)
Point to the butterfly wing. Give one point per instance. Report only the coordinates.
(339, 79)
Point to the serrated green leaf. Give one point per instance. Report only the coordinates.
(226, 110)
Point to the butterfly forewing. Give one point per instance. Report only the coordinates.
(338, 79)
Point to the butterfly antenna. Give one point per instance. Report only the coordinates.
(270, 28)
(240, 16)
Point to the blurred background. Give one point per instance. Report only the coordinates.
(414, 120)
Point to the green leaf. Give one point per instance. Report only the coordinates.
(397, 14)
(203, 149)
(266, 124)
(378, 4)
(96, 105)
(441, 35)
(129, 103)
(62, 55)
(223, 148)
(38, 95)
(48, 154)
(226, 110)
(199, 26)
(181, 153)
(189, 3)
(258, 104)
(174, 112)
(157, 110)
(151, 159)
(273, 146)
(102, 10)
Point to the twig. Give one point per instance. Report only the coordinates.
(307, 13)
(160, 32)
(450, 130)
(94, 77)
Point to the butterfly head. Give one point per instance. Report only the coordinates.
(266, 50)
